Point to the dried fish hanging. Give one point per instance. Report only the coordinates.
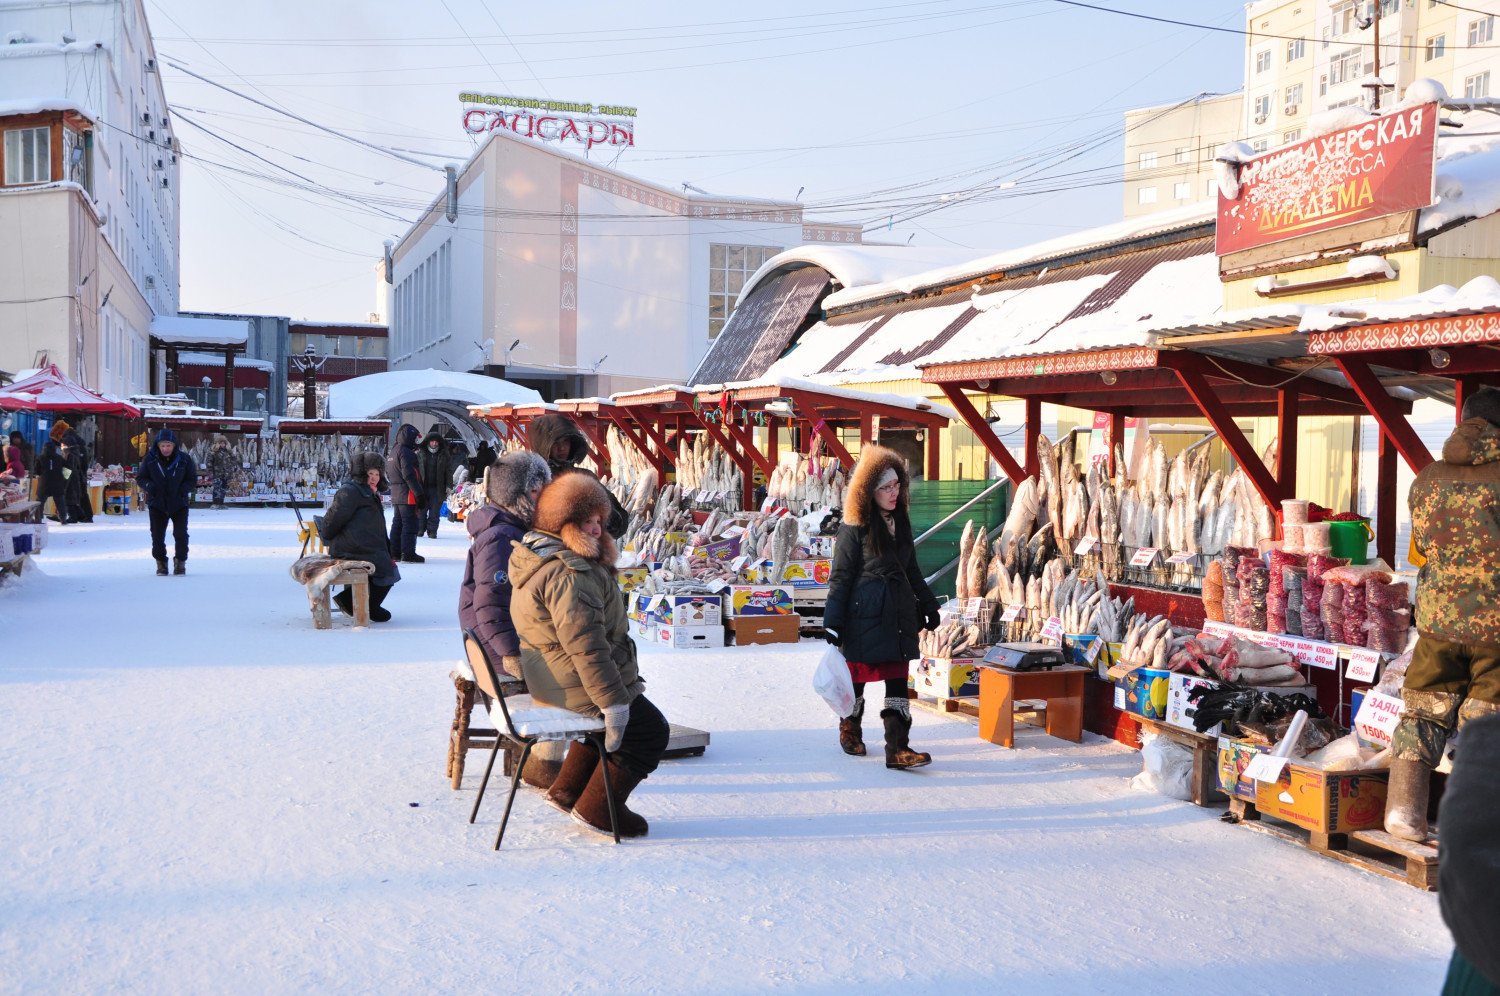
(707, 475)
(806, 483)
(633, 480)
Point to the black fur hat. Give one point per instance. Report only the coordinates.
(508, 480)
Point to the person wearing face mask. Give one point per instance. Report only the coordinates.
(168, 476)
(878, 601)
(435, 464)
(576, 650)
(354, 529)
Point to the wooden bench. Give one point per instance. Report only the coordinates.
(358, 579)
(1206, 791)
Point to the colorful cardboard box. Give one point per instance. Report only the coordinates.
(760, 600)
(797, 573)
(724, 549)
(1144, 693)
(1320, 801)
(631, 578)
(687, 610)
(1180, 709)
(945, 677)
(691, 637)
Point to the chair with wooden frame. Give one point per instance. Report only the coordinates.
(523, 723)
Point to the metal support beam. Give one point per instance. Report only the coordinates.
(831, 440)
(229, 384)
(1287, 410)
(934, 453)
(1463, 387)
(1033, 436)
(866, 429)
(746, 439)
(976, 423)
(1229, 433)
(1386, 501)
(1380, 405)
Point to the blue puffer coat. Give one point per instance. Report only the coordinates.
(484, 597)
(168, 483)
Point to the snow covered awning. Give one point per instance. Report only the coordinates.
(217, 360)
(202, 333)
(377, 394)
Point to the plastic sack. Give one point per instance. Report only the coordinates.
(1167, 768)
(1347, 754)
(833, 684)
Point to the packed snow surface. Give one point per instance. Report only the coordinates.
(204, 794)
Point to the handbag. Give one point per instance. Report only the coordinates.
(833, 683)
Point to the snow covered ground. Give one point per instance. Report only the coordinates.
(201, 793)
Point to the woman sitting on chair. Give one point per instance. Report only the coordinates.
(576, 650)
(353, 528)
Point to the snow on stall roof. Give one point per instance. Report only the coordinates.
(906, 331)
(36, 105)
(1480, 295)
(375, 394)
(642, 392)
(217, 360)
(858, 265)
(1468, 174)
(1160, 222)
(834, 391)
(176, 328)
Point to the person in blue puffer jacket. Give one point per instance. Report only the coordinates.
(168, 477)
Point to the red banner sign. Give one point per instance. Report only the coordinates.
(1378, 167)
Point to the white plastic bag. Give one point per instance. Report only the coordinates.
(1167, 768)
(833, 684)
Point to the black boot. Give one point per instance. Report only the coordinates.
(344, 601)
(378, 592)
(577, 768)
(179, 566)
(161, 567)
(414, 558)
(851, 736)
(898, 752)
(592, 809)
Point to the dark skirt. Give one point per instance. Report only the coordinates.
(867, 673)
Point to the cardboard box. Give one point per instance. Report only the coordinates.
(691, 637)
(1179, 709)
(1320, 801)
(689, 610)
(1145, 693)
(724, 549)
(797, 573)
(761, 600)
(644, 628)
(945, 677)
(750, 630)
(631, 578)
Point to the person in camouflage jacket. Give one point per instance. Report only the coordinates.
(222, 464)
(1454, 675)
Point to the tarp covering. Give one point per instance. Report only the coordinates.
(51, 390)
(376, 394)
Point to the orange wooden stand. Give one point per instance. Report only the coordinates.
(999, 688)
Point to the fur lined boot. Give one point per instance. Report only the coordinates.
(1406, 799)
(378, 592)
(592, 808)
(851, 736)
(344, 600)
(898, 752)
(577, 768)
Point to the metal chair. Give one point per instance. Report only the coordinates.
(526, 725)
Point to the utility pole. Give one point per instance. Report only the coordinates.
(1378, 80)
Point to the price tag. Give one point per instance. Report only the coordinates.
(738, 563)
(765, 506)
(1180, 558)
(1325, 656)
(1217, 628)
(1052, 629)
(1085, 546)
(1012, 613)
(1266, 767)
(1121, 669)
(1096, 647)
(1362, 665)
(1144, 556)
(974, 606)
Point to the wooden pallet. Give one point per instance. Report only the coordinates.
(1372, 850)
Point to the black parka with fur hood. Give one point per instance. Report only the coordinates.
(877, 597)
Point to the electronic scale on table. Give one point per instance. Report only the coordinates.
(1026, 656)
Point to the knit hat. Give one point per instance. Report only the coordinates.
(890, 474)
(509, 480)
(1483, 403)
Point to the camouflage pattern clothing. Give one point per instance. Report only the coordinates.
(1455, 670)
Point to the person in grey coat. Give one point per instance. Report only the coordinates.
(354, 529)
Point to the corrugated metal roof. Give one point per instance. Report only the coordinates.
(762, 327)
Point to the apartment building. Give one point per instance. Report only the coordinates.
(1169, 151)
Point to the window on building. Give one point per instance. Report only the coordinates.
(1182, 191)
(1211, 188)
(1344, 16)
(1182, 155)
(1345, 66)
(1296, 49)
(1262, 60)
(1477, 86)
(1295, 135)
(1293, 97)
(1261, 144)
(1481, 31)
(28, 155)
(1146, 195)
(1262, 108)
(1146, 160)
(1323, 86)
(728, 269)
(1435, 46)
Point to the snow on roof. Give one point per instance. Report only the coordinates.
(375, 394)
(852, 393)
(1480, 295)
(36, 105)
(1468, 175)
(217, 360)
(857, 265)
(297, 322)
(216, 331)
(642, 392)
(1158, 223)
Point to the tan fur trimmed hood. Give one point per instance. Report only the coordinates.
(565, 504)
(874, 461)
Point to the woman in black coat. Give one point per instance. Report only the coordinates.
(53, 482)
(878, 601)
(354, 529)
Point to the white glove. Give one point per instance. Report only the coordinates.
(615, 719)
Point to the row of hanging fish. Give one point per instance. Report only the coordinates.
(804, 483)
(703, 466)
(280, 462)
(632, 478)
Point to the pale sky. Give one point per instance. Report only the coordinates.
(872, 110)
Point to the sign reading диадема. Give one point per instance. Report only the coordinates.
(550, 120)
(1378, 167)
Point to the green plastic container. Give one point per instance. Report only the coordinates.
(1351, 540)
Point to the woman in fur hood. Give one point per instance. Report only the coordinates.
(577, 652)
(354, 529)
(878, 601)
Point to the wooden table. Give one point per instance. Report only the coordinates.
(22, 511)
(1000, 687)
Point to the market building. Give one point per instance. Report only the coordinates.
(90, 184)
(574, 278)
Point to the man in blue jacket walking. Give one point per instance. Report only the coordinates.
(168, 476)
